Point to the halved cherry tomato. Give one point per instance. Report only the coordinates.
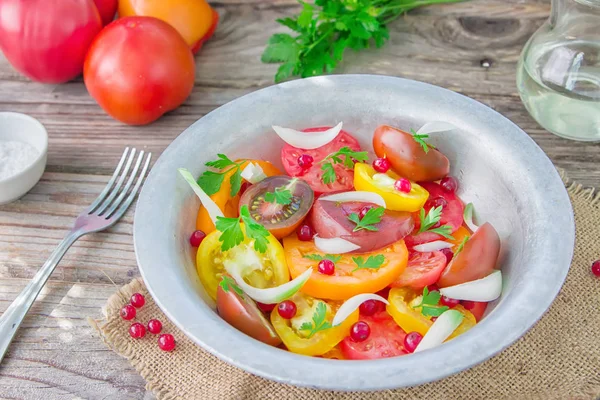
(227, 204)
(408, 157)
(242, 313)
(261, 270)
(477, 308)
(366, 178)
(346, 281)
(279, 219)
(477, 259)
(423, 269)
(330, 220)
(211, 31)
(299, 340)
(386, 340)
(314, 174)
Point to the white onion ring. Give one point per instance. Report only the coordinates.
(359, 195)
(310, 140)
(334, 245)
(253, 173)
(432, 246)
(352, 304)
(213, 209)
(435, 127)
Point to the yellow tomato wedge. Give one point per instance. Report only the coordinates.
(367, 179)
(261, 270)
(299, 338)
(467, 323)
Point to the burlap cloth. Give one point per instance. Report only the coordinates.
(558, 359)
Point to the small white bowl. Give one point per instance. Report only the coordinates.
(23, 128)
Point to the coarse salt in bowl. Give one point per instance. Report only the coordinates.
(23, 150)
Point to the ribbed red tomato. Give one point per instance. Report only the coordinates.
(47, 40)
(139, 68)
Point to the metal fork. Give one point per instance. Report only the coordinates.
(104, 212)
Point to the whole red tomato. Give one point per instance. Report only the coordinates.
(107, 10)
(47, 40)
(138, 68)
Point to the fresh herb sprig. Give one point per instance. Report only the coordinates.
(232, 235)
(318, 257)
(433, 217)
(324, 30)
(211, 181)
(368, 222)
(282, 194)
(345, 156)
(462, 245)
(373, 262)
(420, 139)
(319, 321)
(227, 283)
(429, 303)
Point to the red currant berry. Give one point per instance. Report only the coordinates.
(369, 307)
(154, 326)
(137, 330)
(449, 184)
(448, 253)
(468, 304)
(360, 331)
(137, 300)
(305, 161)
(403, 185)
(438, 202)
(447, 301)
(305, 233)
(166, 342)
(363, 211)
(381, 165)
(287, 309)
(433, 288)
(266, 308)
(244, 187)
(411, 341)
(326, 267)
(433, 319)
(197, 238)
(128, 312)
(596, 268)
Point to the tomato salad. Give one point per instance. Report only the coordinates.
(342, 256)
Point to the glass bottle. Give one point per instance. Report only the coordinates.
(558, 75)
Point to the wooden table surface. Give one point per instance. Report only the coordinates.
(56, 354)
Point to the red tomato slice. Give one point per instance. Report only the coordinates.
(423, 269)
(314, 175)
(477, 308)
(386, 340)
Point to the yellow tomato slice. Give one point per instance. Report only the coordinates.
(408, 318)
(229, 205)
(258, 269)
(346, 280)
(394, 199)
(301, 341)
(467, 323)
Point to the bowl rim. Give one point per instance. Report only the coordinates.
(250, 355)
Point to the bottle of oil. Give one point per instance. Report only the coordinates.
(558, 75)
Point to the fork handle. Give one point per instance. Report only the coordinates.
(14, 314)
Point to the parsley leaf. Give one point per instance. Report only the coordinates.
(317, 257)
(420, 139)
(373, 262)
(232, 235)
(321, 33)
(429, 303)
(211, 181)
(319, 321)
(372, 217)
(433, 217)
(345, 156)
(282, 195)
(221, 163)
(228, 284)
(461, 245)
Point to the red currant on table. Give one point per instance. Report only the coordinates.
(287, 309)
(381, 165)
(137, 330)
(154, 326)
(137, 300)
(305, 233)
(363, 211)
(360, 331)
(403, 185)
(196, 238)
(326, 267)
(412, 340)
(128, 312)
(305, 161)
(447, 301)
(596, 268)
(369, 307)
(266, 308)
(449, 184)
(166, 342)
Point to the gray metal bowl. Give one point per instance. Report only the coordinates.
(501, 170)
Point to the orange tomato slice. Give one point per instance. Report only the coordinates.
(345, 282)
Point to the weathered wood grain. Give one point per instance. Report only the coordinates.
(56, 355)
